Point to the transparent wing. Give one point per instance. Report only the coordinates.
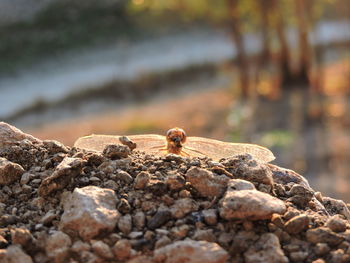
(150, 143)
(197, 146)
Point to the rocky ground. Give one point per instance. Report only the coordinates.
(62, 204)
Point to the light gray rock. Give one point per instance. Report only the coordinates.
(125, 224)
(206, 183)
(239, 184)
(191, 251)
(335, 206)
(10, 135)
(249, 204)
(102, 249)
(9, 171)
(266, 249)
(89, 211)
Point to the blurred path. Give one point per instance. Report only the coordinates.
(57, 77)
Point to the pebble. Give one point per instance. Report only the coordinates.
(89, 211)
(116, 151)
(191, 251)
(9, 171)
(125, 224)
(160, 218)
(249, 204)
(323, 235)
(122, 249)
(297, 224)
(206, 183)
(102, 249)
(336, 224)
(141, 180)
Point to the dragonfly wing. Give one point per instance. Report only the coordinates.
(217, 149)
(149, 143)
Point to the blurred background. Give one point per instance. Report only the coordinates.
(271, 72)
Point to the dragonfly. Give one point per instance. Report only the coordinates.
(177, 142)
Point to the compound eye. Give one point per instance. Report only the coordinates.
(183, 133)
(169, 132)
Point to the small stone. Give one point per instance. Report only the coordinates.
(80, 246)
(210, 216)
(55, 146)
(25, 178)
(159, 219)
(163, 241)
(142, 180)
(124, 176)
(335, 206)
(175, 182)
(57, 246)
(125, 224)
(116, 151)
(206, 183)
(267, 249)
(122, 249)
(321, 249)
(300, 195)
(60, 178)
(9, 171)
(14, 254)
(102, 250)
(298, 256)
(323, 235)
(336, 224)
(249, 204)
(277, 220)
(135, 235)
(21, 236)
(126, 141)
(239, 184)
(297, 224)
(191, 251)
(48, 217)
(89, 211)
(182, 207)
(206, 235)
(139, 220)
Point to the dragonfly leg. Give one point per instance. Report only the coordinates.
(194, 150)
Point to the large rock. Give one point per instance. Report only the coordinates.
(206, 183)
(267, 249)
(10, 135)
(191, 251)
(60, 178)
(14, 254)
(89, 211)
(9, 171)
(249, 204)
(335, 206)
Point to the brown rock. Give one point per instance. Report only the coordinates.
(182, 207)
(297, 224)
(190, 251)
(323, 235)
(57, 246)
(160, 218)
(267, 249)
(206, 183)
(249, 204)
(336, 224)
(239, 184)
(89, 211)
(122, 249)
(116, 151)
(9, 171)
(125, 224)
(141, 180)
(64, 172)
(102, 250)
(21, 236)
(175, 181)
(14, 254)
